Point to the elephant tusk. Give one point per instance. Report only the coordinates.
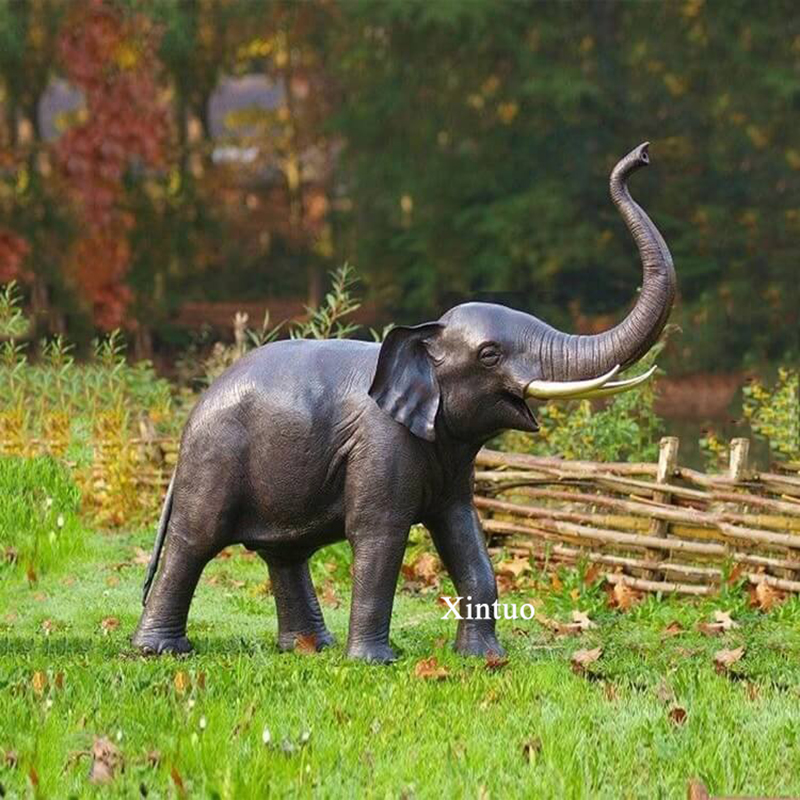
(617, 386)
(547, 390)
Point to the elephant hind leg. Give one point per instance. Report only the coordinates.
(299, 614)
(162, 627)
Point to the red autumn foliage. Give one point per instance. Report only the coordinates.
(13, 251)
(111, 57)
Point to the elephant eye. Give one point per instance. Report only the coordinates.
(490, 355)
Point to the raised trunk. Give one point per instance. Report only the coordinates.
(579, 357)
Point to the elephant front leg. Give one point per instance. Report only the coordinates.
(459, 538)
(377, 558)
(299, 614)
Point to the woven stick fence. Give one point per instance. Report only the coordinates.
(655, 527)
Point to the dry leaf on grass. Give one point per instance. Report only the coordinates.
(722, 624)
(495, 662)
(515, 567)
(764, 597)
(109, 624)
(10, 759)
(677, 715)
(580, 623)
(430, 669)
(581, 659)
(725, 658)
(178, 781)
(305, 644)
(182, 682)
(592, 574)
(39, 682)
(425, 569)
(673, 629)
(106, 760)
(329, 596)
(623, 597)
(697, 791)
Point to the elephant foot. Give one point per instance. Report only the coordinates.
(372, 653)
(478, 644)
(153, 643)
(288, 641)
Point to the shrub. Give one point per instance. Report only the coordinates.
(774, 412)
(625, 429)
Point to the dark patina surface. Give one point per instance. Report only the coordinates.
(303, 443)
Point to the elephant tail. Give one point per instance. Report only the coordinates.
(152, 567)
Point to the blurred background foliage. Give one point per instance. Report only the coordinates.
(160, 159)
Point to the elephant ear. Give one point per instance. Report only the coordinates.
(405, 384)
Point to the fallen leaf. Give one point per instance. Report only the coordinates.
(697, 791)
(109, 624)
(140, 556)
(106, 760)
(555, 582)
(624, 597)
(153, 758)
(425, 569)
(10, 555)
(575, 594)
(47, 627)
(515, 567)
(431, 669)
(30, 574)
(592, 574)
(59, 680)
(725, 658)
(182, 682)
(34, 777)
(673, 629)
(39, 682)
(201, 680)
(495, 662)
(520, 632)
(581, 659)
(530, 748)
(178, 781)
(724, 619)
(305, 644)
(11, 759)
(677, 715)
(581, 619)
(735, 574)
(764, 597)
(329, 596)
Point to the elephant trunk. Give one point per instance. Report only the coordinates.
(580, 357)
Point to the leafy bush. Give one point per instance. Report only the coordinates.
(39, 525)
(774, 413)
(626, 429)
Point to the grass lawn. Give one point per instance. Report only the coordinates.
(238, 719)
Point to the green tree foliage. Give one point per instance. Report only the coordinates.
(480, 137)
(453, 149)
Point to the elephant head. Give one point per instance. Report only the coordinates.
(472, 372)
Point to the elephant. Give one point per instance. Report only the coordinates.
(302, 443)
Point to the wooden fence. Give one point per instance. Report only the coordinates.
(655, 527)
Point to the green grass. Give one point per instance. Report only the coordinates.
(335, 728)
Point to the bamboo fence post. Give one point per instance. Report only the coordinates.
(740, 452)
(667, 464)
